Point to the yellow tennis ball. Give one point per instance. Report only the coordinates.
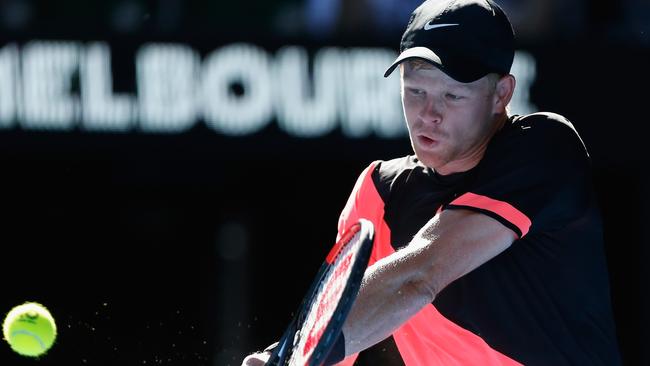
(29, 329)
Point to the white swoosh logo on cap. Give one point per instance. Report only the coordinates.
(429, 26)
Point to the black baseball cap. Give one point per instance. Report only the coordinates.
(466, 39)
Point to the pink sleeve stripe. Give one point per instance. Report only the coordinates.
(503, 209)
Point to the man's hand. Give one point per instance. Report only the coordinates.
(259, 358)
(256, 359)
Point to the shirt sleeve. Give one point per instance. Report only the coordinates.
(363, 202)
(533, 176)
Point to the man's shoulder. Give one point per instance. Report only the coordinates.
(544, 132)
(543, 121)
(389, 169)
(385, 173)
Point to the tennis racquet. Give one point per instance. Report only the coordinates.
(317, 324)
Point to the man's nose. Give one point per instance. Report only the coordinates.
(432, 112)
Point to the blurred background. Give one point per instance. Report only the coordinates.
(173, 171)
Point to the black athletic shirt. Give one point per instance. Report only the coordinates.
(543, 301)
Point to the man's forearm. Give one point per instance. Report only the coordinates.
(386, 300)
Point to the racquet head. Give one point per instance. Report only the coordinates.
(311, 334)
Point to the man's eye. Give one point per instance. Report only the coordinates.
(453, 96)
(416, 91)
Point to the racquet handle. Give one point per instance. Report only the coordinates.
(281, 349)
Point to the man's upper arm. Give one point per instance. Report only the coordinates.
(454, 243)
(534, 178)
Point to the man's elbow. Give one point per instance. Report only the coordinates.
(422, 289)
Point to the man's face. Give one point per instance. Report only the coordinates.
(449, 123)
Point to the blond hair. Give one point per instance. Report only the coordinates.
(416, 64)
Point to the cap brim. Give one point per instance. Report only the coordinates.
(456, 66)
(415, 52)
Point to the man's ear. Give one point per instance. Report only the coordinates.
(504, 89)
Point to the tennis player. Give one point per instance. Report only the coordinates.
(488, 240)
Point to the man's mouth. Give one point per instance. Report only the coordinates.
(426, 141)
